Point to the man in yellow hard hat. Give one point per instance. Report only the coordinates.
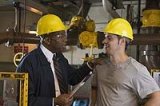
(49, 71)
(120, 80)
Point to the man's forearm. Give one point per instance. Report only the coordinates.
(153, 99)
(152, 102)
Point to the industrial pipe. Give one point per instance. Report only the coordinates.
(18, 37)
(146, 39)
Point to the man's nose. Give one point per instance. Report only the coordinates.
(65, 39)
(104, 41)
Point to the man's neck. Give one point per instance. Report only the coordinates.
(121, 58)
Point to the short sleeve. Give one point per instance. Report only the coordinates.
(144, 84)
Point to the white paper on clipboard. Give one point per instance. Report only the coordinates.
(76, 89)
(80, 85)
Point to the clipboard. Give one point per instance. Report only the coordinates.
(80, 84)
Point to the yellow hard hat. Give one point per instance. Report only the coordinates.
(49, 23)
(121, 27)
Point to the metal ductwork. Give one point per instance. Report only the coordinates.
(66, 9)
(108, 7)
(117, 4)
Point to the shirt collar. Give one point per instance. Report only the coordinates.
(47, 53)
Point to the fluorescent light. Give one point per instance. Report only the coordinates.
(32, 32)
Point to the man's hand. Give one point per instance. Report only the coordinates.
(63, 100)
(94, 62)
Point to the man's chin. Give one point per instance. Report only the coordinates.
(64, 49)
(107, 52)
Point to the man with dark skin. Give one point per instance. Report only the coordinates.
(45, 88)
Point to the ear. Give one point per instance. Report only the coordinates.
(46, 41)
(122, 41)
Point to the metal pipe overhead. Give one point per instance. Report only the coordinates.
(146, 39)
(18, 37)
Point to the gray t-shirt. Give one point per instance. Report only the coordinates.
(123, 84)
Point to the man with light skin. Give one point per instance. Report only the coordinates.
(120, 80)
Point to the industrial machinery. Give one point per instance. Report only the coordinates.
(149, 55)
(83, 34)
(77, 25)
(88, 37)
(23, 79)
